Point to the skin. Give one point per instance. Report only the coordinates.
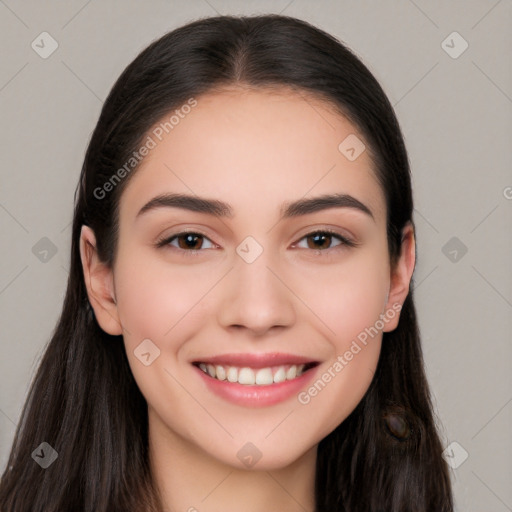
(254, 149)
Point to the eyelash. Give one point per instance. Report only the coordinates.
(345, 242)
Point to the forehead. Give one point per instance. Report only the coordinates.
(254, 146)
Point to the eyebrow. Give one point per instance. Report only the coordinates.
(220, 209)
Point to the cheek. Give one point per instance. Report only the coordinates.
(349, 297)
(163, 303)
(156, 300)
(349, 300)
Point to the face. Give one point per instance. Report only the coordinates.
(262, 316)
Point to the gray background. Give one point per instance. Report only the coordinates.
(456, 118)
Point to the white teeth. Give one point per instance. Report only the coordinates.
(220, 372)
(246, 376)
(291, 373)
(232, 374)
(250, 377)
(280, 375)
(264, 377)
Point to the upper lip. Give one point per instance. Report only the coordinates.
(255, 360)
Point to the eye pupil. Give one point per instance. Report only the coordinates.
(190, 241)
(322, 238)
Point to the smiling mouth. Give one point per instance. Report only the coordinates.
(255, 376)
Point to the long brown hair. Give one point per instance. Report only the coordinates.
(84, 402)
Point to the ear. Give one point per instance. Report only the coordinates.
(401, 276)
(99, 283)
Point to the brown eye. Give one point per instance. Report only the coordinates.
(323, 240)
(319, 240)
(187, 241)
(190, 241)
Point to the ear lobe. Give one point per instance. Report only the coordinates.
(99, 282)
(401, 276)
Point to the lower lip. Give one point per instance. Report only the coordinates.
(256, 396)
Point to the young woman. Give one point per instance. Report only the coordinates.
(238, 331)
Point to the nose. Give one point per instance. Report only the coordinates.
(256, 298)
